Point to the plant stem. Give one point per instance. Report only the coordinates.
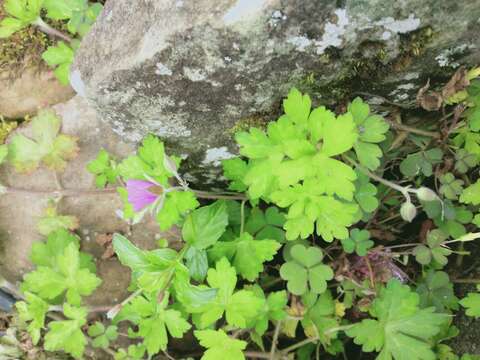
(275, 340)
(47, 29)
(64, 192)
(86, 192)
(466, 281)
(375, 177)
(242, 217)
(224, 196)
(413, 130)
(90, 309)
(256, 354)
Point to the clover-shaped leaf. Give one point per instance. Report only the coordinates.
(102, 336)
(465, 160)
(421, 162)
(365, 193)
(471, 194)
(433, 250)
(47, 146)
(371, 129)
(359, 242)
(266, 225)
(451, 187)
(436, 289)
(306, 270)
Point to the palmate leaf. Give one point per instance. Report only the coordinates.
(33, 311)
(67, 275)
(153, 320)
(472, 304)
(47, 146)
(246, 254)
(291, 164)
(21, 12)
(219, 344)
(240, 307)
(104, 169)
(67, 335)
(372, 130)
(400, 330)
(52, 222)
(471, 194)
(60, 57)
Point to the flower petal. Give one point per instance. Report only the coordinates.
(138, 194)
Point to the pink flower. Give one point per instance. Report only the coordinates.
(142, 193)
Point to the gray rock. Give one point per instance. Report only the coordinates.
(194, 71)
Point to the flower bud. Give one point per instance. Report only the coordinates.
(426, 194)
(408, 211)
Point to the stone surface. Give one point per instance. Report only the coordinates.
(19, 213)
(35, 88)
(193, 71)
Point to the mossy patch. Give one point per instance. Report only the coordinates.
(24, 49)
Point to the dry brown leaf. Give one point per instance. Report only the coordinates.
(458, 82)
(429, 100)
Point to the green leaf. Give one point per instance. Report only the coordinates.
(47, 146)
(401, 329)
(67, 335)
(61, 10)
(61, 57)
(297, 106)
(197, 263)
(436, 289)
(52, 222)
(8, 26)
(239, 307)
(266, 225)
(359, 242)
(359, 110)
(102, 336)
(365, 193)
(219, 344)
(421, 162)
(333, 144)
(153, 320)
(67, 275)
(150, 269)
(246, 254)
(33, 310)
(464, 161)
(234, 170)
(177, 204)
(195, 299)
(104, 169)
(274, 308)
(451, 188)
(3, 152)
(368, 154)
(46, 253)
(471, 194)
(435, 249)
(204, 226)
(472, 304)
(306, 270)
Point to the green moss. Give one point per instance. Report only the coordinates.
(6, 127)
(258, 121)
(24, 49)
(368, 63)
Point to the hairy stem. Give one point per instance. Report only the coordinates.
(390, 184)
(47, 29)
(275, 339)
(412, 129)
(87, 192)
